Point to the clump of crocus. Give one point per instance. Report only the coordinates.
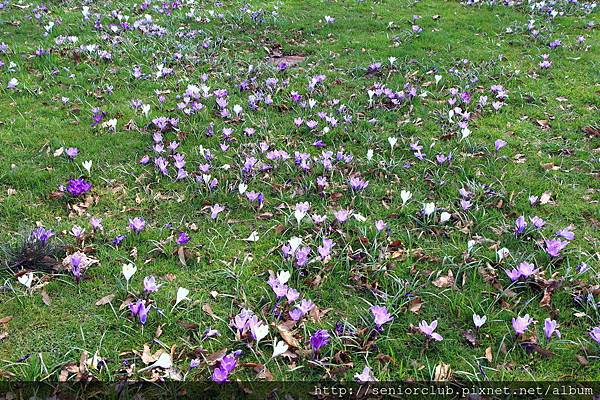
(137, 224)
(429, 330)
(226, 365)
(521, 324)
(77, 187)
(139, 310)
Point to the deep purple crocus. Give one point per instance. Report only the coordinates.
(183, 238)
(139, 310)
(77, 187)
(319, 339)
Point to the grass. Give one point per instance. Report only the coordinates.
(470, 47)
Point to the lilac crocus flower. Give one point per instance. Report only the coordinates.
(183, 238)
(72, 152)
(520, 225)
(215, 210)
(514, 274)
(550, 328)
(499, 143)
(537, 222)
(96, 224)
(76, 267)
(428, 330)
(137, 224)
(381, 315)
(595, 334)
(220, 375)
(521, 324)
(555, 246)
(526, 269)
(479, 321)
(341, 216)
(150, 285)
(319, 339)
(41, 234)
(380, 225)
(566, 233)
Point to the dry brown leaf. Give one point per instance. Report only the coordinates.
(288, 336)
(488, 354)
(208, 309)
(442, 372)
(415, 305)
(444, 281)
(3, 335)
(105, 300)
(5, 320)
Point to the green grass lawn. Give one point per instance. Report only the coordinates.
(466, 78)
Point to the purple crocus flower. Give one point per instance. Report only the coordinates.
(220, 375)
(526, 269)
(139, 310)
(183, 238)
(381, 315)
(380, 225)
(215, 210)
(555, 246)
(428, 330)
(77, 187)
(118, 239)
(96, 224)
(137, 224)
(42, 234)
(537, 222)
(72, 152)
(566, 233)
(521, 324)
(319, 339)
(514, 274)
(520, 225)
(550, 328)
(499, 143)
(341, 216)
(595, 334)
(150, 285)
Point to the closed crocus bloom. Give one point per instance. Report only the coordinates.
(550, 328)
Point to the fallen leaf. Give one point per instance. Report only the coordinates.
(46, 298)
(488, 354)
(105, 300)
(442, 372)
(444, 281)
(288, 337)
(208, 309)
(5, 320)
(415, 305)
